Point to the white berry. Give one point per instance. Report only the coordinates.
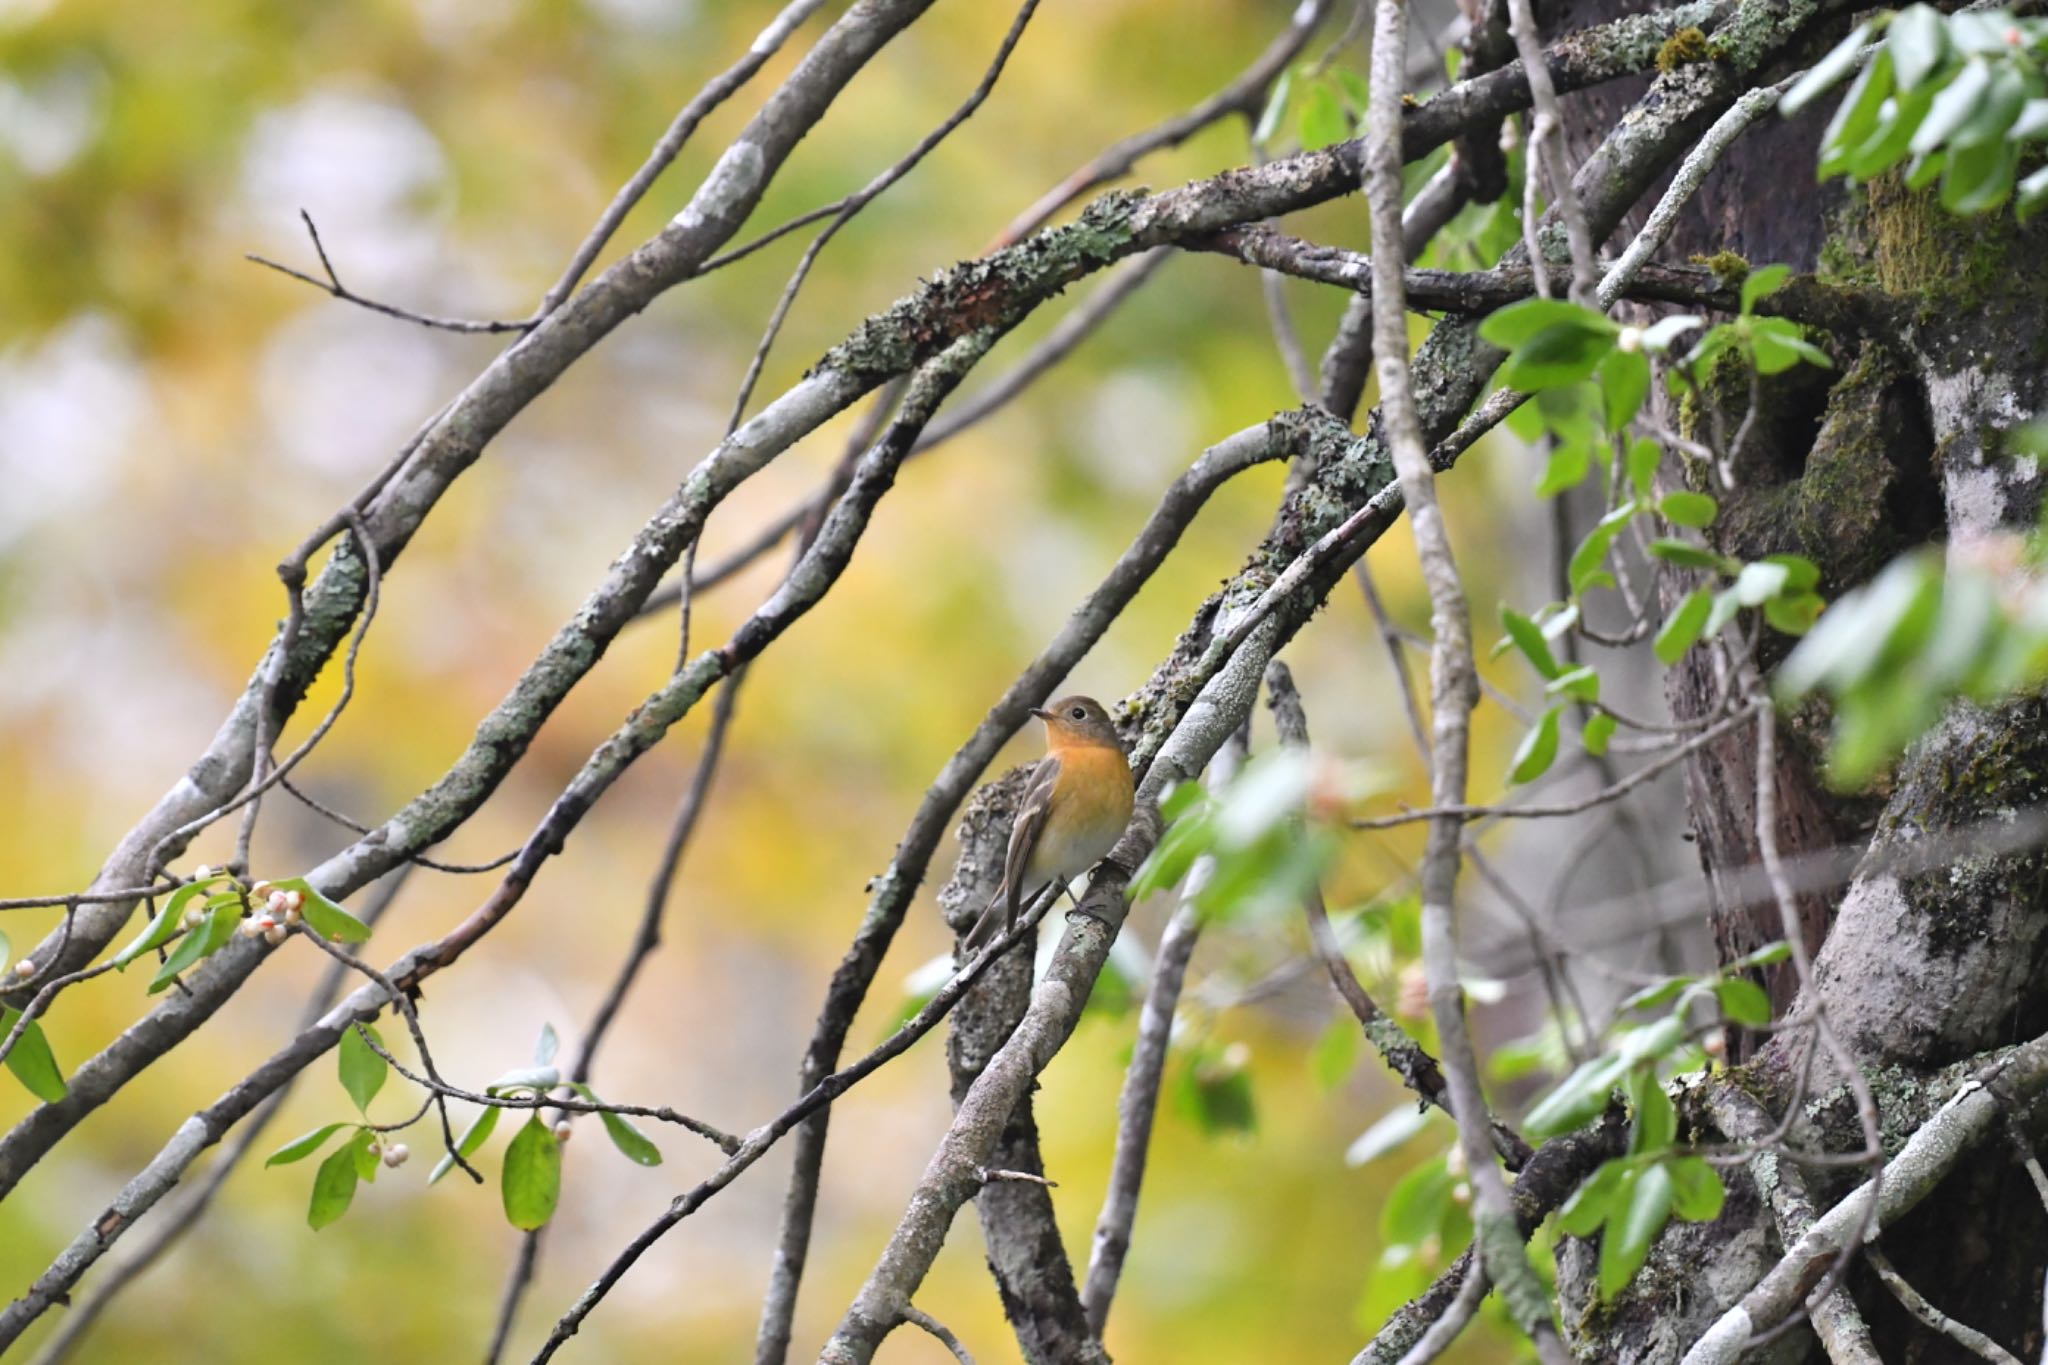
(1630, 340)
(194, 917)
(293, 900)
(562, 1131)
(277, 903)
(395, 1155)
(25, 968)
(274, 935)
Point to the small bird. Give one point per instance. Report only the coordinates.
(1075, 808)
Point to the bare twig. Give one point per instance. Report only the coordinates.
(332, 285)
(1962, 1334)
(715, 92)
(918, 1317)
(859, 200)
(1547, 163)
(1137, 1103)
(1453, 689)
(1242, 96)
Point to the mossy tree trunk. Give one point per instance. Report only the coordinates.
(1922, 961)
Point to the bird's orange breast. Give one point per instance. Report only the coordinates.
(1091, 806)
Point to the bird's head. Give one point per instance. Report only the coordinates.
(1077, 720)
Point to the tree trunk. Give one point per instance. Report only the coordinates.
(1933, 954)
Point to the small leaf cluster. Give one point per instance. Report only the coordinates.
(201, 916)
(1893, 653)
(1326, 104)
(1590, 377)
(530, 1180)
(1955, 97)
(207, 911)
(1263, 855)
(1631, 1197)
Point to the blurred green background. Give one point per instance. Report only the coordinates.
(173, 419)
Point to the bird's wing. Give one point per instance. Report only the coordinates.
(1025, 833)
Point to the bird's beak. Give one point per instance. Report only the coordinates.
(1041, 713)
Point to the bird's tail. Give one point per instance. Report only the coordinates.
(999, 916)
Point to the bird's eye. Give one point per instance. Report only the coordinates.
(1079, 713)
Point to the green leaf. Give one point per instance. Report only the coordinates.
(1580, 684)
(637, 1146)
(6, 950)
(1322, 118)
(1563, 353)
(1569, 464)
(1656, 1119)
(1826, 72)
(1684, 626)
(1660, 335)
(1917, 40)
(1529, 639)
(1887, 142)
(31, 1060)
(1762, 282)
(362, 1070)
(1641, 1208)
(1216, 1092)
(1696, 1190)
(1275, 110)
(1519, 323)
(1857, 116)
(1537, 750)
(1780, 343)
(531, 1183)
(538, 1079)
(1767, 956)
(1952, 108)
(1580, 1096)
(207, 939)
(472, 1138)
(1743, 1001)
(1624, 378)
(1759, 582)
(334, 1184)
(330, 920)
(1794, 613)
(1644, 455)
(1598, 732)
(1726, 604)
(1685, 554)
(1591, 556)
(1658, 993)
(366, 1157)
(1417, 1205)
(1689, 509)
(299, 1148)
(1591, 1203)
(1388, 1132)
(2001, 106)
(163, 928)
(1801, 573)
(1335, 1054)
(1978, 178)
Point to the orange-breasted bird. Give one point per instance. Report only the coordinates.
(1075, 809)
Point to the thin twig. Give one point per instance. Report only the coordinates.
(1453, 690)
(1243, 96)
(333, 285)
(918, 1317)
(859, 200)
(1137, 1102)
(1962, 1334)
